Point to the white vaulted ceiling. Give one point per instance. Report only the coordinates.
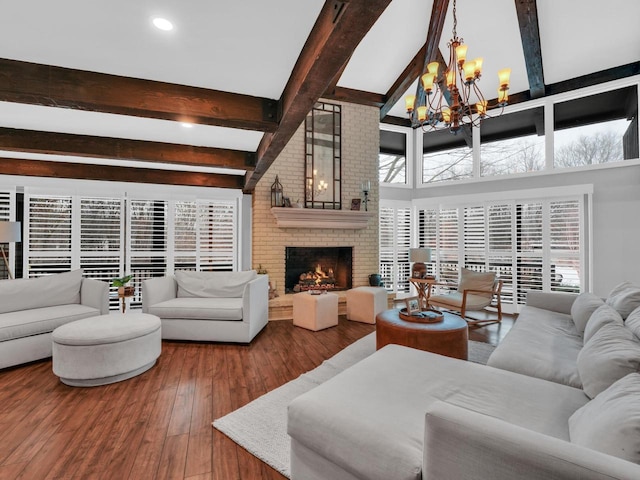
(251, 47)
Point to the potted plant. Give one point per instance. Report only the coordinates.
(124, 290)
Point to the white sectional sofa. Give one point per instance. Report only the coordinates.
(209, 306)
(560, 399)
(30, 309)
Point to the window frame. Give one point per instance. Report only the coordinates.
(410, 149)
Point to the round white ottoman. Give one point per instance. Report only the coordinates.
(106, 349)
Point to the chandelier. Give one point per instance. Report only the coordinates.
(455, 99)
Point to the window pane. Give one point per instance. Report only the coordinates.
(590, 144)
(513, 155)
(596, 129)
(452, 164)
(392, 158)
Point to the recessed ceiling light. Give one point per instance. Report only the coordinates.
(163, 24)
(187, 125)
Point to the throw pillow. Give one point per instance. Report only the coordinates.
(625, 298)
(213, 284)
(585, 304)
(610, 423)
(633, 322)
(603, 315)
(612, 353)
(470, 280)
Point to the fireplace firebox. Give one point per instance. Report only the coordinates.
(318, 268)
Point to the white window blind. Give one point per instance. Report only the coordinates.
(217, 235)
(147, 242)
(6, 204)
(531, 245)
(100, 236)
(48, 235)
(395, 240)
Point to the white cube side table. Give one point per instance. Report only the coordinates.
(315, 312)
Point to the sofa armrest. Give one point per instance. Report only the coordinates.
(462, 444)
(553, 301)
(255, 304)
(156, 290)
(95, 294)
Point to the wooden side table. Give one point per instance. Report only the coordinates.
(423, 285)
(449, 337)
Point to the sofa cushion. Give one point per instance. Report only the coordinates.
(376, 430)
(474, 302)
(603, 315)
(41, 320)
(610, 423)
(624, 298)
(612, 353)
(542, 344)
(48, 291)
(470, 280)
(585, 304)
(199, 308)
(213, 284)
(633, 322)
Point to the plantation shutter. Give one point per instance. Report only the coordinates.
(217, 236)
(185, 239)
(474, 238)
(6, 203)
(147, 237)
(101, 240)
(427, 236)
(394, 241)
(529, 236)
(500, 227)
(564, 244)
(448, 248)
(47, 246)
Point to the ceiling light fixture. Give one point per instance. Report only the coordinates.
(187, 124)
(162, 24)
(457, 99)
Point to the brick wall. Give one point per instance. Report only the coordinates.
(360, 146)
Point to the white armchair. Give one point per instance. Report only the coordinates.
(209, 306)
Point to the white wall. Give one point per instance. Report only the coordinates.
(616, 212)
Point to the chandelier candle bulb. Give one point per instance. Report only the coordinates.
(504, 75)
(427, 82)
(433, 68)
(422, 113)
(469, 71)
(451, 78)
(461, 53)
(482, 108)
(410, 101)
(478, 63)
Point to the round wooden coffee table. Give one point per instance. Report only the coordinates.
(449, 337)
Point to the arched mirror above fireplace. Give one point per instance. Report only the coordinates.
(323, 157)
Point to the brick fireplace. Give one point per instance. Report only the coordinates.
(360, 146)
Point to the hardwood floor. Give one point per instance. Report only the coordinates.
(158, 425)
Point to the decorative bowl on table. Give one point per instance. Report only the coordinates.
(424, 316)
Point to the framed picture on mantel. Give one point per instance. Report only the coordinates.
(355, 204)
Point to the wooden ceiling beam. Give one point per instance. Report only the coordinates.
(596, 78)
(16, 140)
(404, 81)
(37, 84)
(40, 168)
(338, 30)
(432, 52)
(356, 96)
(527, 11)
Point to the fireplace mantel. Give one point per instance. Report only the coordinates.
(318, 218)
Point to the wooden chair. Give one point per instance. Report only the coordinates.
(483, 292)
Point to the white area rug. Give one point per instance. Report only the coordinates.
(260, 427)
